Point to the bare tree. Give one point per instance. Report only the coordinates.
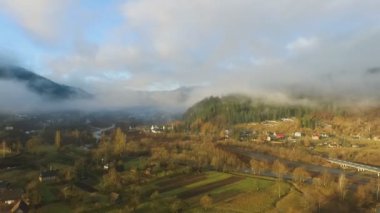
(342, 185)
(377, 189)
(300, 175)
(57, 139)
(280, 170)
(206, 201)
(326, 178)
(363, 194)
(120, 142)
(255, 166)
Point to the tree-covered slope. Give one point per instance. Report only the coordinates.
(234, 109)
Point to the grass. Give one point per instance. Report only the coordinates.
(209, 187)
(254, 201)
(292, 202)
(56, 208)
(44, 148)
(246, 193)
(230, 192)
(19, 177)
(245, 185)
(211, 177)
(179, 181)
(136, 163)
(48, 193)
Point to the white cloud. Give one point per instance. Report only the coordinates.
(236, 46)
(232, 46)
(42, 18)
(302, 43)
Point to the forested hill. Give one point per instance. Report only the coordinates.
(41, 86)
(233, 109)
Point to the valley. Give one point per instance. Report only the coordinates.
(72, 166)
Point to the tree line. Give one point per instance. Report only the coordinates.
(225, 111)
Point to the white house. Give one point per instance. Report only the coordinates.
(324, 135)
(156, 129)
(287, 120)
(9, 128)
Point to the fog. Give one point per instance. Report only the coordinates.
(170, 54)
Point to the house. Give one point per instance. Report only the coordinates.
(245, 135)
(376, 138)
(280, 136)
(155, 129)
(271, 136)
(270, 123)
(298, 134)
(30, 132)
(315, 137)
(10, 196)
(333, 145)
(49, 175)
(287, 120)
(226, 134)
(9, 128)
(275, 136)
(106, 166)
(324, 135)
(20, 207)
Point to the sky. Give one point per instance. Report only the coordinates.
(274, 48)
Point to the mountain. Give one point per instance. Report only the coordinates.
(42, 86)
(235, 109)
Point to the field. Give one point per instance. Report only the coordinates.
(229, 192)
(292, 202)
(56, 208)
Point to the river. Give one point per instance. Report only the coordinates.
(99, 131)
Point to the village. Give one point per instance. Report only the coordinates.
(74, 163)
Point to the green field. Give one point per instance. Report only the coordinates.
(229, 192)
(18, 177)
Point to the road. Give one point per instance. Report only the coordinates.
(358, 166)
(311, 168)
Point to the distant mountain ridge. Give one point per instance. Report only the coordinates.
(42, 86)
